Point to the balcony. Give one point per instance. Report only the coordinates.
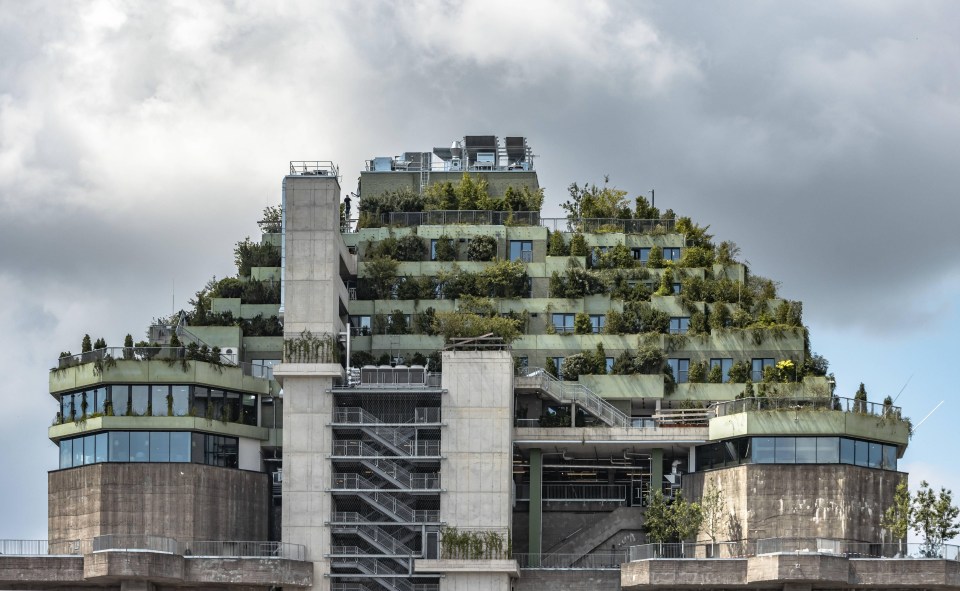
(825, 415)
(157, 365)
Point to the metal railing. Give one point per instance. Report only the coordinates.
(474, 543)
(160, 353)
(243, 549)
(593, 561)
(355, 415)
(765, 546)
(314, 168)
(587, 493)
(442, 217)
(809, 403)
(39, 547)
(608, 225)
(692, 550)
(574, 393)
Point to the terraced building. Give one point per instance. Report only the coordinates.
(453, 392)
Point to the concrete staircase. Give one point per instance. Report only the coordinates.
(589, 539)
(572, 393)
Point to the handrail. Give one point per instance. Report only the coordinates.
(807, 403)
(575, 393)
(834, 547)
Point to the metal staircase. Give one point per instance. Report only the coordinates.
(573, 393)
(375, 568)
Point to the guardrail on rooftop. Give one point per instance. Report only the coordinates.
(764, 546)
(592, 561)
(806, 403)
(39, 547)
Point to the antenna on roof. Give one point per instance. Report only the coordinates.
(904, 388)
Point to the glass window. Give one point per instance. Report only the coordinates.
(609, 364)
(232, 407)
(806, 450)
(249, 410)
(598, 321)
(66, 453)
(521, 250)
(158, 401)
(201, 397)
(680, 368)
(846, 451)
(120, 399)
(563, 322)
(159, 446)
(671, 254)
(433, 249)
(763, 450)
(99, 400)
(197, 447)
(862, 453)
(89, 449)
(557, 363)
(66, 407)
(724, 364)
(641, 254)
(180, 447)
(119, 446)
(756, 374)
(263, 368)
(889, 457)
(828, 450)
(679, 324)
(139, 446)
(78, 451)
(101, 448)
(140, 400)
(786, 452)
(875, 457)
(215, 410)
(360, 325)
(181, 400)
(676, 287)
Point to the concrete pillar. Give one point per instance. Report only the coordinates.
(656, 469)
(536, 501)
(692, 460)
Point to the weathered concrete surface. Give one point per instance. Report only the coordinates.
(791, 571)
(800, 501)
(568, 580)
(159, 567)
(826, 570)
(508, 567)
(23, 570)
(675, 573)
(151, 569)
(182, 501)
(598, 529)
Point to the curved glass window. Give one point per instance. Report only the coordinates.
(796, 450)
(178, 400)
(149, 446)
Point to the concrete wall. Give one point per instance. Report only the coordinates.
(825, 501)
(568, 580)
(182, 501)
(312, 289)
(477, 472)
(312, 252)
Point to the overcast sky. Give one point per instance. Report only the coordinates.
(140, 140)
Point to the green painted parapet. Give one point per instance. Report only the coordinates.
(265, 273)
(225, 337)
(221, 305)
(624, 387)
(252, 310)
(805, 421)
(188, 423)
(157, 372)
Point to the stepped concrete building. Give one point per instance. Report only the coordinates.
(451, 392)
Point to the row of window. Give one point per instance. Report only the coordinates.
(522, 250)
(149, 446)
(797, 450)
(681, 367)
(160, 401)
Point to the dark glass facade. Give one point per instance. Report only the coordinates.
(149, 446)
(796, 450)
(178, 400)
